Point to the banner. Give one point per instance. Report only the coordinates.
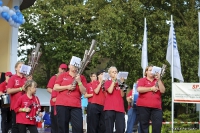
(172, 55)
(186, 92)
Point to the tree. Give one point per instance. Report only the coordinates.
(66, 28)
(62, 29)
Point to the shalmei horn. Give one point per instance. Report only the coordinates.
(34, 58)
(86, 59)
(122, 86)
(161, 73)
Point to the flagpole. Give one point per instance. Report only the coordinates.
(172, 74)
(199, 58)
(144, 38)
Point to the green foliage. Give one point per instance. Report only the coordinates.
(190, 117)
(66, 28)
(186, 131)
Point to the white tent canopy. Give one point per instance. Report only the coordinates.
(43, 96)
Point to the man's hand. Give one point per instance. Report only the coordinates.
(54, 99)
(78, 78)
(122, 80)
(23, 88)
(27, 109)
(71, 87)
(157, 76)
(129, 99)
(154, 89)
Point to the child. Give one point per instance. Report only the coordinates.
(26, 108)
(15, 88)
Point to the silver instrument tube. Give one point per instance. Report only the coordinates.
(86, 59)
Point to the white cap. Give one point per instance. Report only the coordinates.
(75, 61)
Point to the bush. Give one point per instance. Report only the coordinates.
(186, 131)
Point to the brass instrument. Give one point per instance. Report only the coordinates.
(34, 58)
(122, 85)
(102, 85)
(86, 59)
(161, 75)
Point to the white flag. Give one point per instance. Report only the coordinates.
(176, 58)
(144, 59)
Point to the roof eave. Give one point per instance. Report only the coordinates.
(26, 4)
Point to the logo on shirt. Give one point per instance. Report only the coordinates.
(118, 88)
(16, 82)
(65, 79)
(91, 89)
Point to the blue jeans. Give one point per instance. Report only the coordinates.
(132, 120)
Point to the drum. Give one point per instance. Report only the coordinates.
(5, 100)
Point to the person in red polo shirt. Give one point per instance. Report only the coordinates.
(15, 88)
(68, 101)
(6, 118)
(96, 123)
(27, 107)
(114, 104)
(54, 126)
(89, 94)
(149, 101)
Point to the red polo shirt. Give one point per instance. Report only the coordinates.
(3, 87)
(148, 99)
(128, 95)
(113, 101)
(51, 85)
(90, 89)
(24, 102)
(15, 82)
(100, 97)
(66, 97)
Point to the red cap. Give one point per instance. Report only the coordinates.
(63, 66)
(8, 74)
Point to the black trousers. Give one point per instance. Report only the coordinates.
(88, 120)
(6, 119)
(145, 114)
(112, 117)
(54, 123)
(24, 127)
(15, 128)
(97, 123)
(72, 114)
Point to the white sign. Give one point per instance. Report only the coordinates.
(75, 61)
(122, 75)
(106, 76)
(155, 70)
(186, 92)
(25, 69)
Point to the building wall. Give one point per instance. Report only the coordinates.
(5, 41)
